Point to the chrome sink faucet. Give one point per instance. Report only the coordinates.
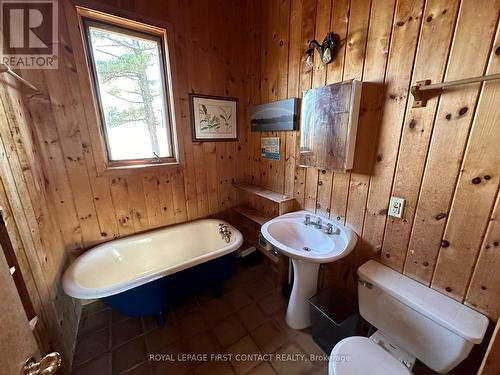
(329, 229)
(307, 221)
(318, 224)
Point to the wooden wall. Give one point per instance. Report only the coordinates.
(92, 208)
(53, 202)
(27, 212)
(444, 159)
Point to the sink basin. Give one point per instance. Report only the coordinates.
(308, 245)
(290, 235)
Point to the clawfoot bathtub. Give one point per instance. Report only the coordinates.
(132, 274)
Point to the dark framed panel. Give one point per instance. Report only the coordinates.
(282, 115)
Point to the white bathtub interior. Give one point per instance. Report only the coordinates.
(128, 262)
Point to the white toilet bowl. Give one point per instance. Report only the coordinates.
(362, 356)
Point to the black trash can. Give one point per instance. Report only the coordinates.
(334, 316)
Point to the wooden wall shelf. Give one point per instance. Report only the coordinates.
(252, 214)
(257, 205)
(264, 193)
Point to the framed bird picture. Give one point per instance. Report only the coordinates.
(213, 118)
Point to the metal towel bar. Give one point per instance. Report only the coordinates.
(6, 69)
(421, 86)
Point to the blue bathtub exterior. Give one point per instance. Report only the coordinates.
(155, 296)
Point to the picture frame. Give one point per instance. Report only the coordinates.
(281, 115)
(213, 118)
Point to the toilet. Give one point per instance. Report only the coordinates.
(413, 322)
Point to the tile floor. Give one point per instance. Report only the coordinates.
(247, 322)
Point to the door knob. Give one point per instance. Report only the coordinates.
(47, 365)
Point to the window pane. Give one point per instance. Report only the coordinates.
(132, 95)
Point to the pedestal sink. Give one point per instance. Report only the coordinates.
(308, 240)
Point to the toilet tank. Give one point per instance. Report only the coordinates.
(436, 329)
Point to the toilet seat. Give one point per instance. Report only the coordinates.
(361, 356)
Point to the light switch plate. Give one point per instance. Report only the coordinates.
(396, 207)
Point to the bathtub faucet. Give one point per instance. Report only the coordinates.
(224, 232)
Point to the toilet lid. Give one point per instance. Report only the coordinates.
(361, 356)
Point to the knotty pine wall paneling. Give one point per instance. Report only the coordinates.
(443, 159)
(206, 59)
(29, 218)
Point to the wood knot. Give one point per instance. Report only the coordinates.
(412, 124)
(425, 264)
(440, 216)
(400, 23)
(320, 183)
(379, 158)
(497, 51)
(448, 116)
(476, 180)
(281, 43)
(323, 171)
(445, 243)
(463, 111)
(487, 177)
(495, 243)
(448, 289)
(429, 18)
(104, 234)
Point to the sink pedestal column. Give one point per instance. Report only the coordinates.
(305, 285)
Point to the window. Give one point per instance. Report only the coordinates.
(130, 72)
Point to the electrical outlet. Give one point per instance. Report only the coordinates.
(396, 206)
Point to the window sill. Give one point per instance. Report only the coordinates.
(138, 168)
